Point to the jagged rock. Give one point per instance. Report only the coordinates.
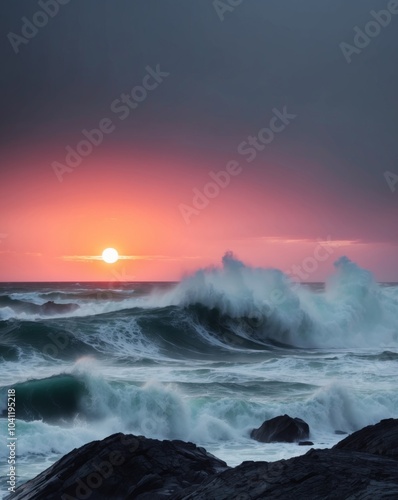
(123, 466)
(318, 475)
(340, 433)
(281, 429)
(305, 443)
(379, 439)
(51, 307)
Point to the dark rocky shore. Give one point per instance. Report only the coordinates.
(364, 465)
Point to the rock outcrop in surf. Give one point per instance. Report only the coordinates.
(125, 466)
(49, 308)
(283, 429)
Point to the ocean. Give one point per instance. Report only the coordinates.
(203, 360)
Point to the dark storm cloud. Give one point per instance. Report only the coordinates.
(225, 77)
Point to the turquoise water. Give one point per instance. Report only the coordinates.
(204, 360)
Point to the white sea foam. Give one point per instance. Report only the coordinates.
(163, 411)
(346, 382)
(353, 310)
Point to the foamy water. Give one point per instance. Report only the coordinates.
(205, 360)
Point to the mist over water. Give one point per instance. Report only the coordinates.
(205, 360)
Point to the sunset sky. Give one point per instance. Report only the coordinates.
(205, 86)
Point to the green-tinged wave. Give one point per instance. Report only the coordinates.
(50, 399)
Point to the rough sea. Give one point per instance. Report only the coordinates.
(203, 360)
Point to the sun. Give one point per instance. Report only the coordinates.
(110, 255)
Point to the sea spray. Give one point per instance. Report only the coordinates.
(205, 360)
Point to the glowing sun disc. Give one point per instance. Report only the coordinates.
(110, 255)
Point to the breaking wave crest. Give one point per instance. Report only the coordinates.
(231, 307)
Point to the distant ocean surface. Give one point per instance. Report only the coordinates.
(203, 360)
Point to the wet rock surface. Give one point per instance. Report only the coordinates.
(380, 439)
(281, 429)
(320, 474)
(123, 466)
